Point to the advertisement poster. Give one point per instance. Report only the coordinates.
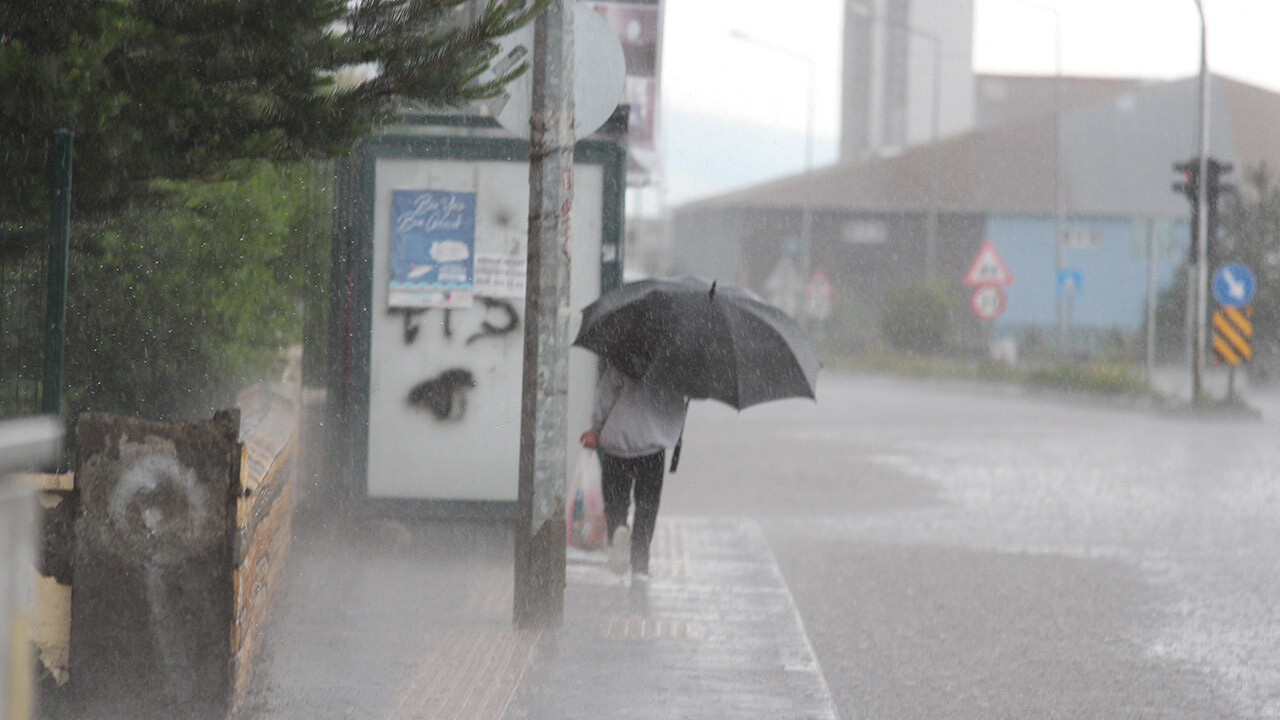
(638, 24)
(433, 239)
(500, 276)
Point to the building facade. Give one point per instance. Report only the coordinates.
(890, 74)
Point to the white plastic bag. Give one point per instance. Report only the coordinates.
(584, 506)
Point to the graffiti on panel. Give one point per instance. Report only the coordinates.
(444, 395)
(506, 312)
(489, 330)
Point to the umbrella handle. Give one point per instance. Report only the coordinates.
(675, 454)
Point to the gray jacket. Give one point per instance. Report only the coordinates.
(635, 419)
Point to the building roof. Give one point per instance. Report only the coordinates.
(1116, 160)
(1000, 99)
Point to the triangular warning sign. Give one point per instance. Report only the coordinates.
(988, 268)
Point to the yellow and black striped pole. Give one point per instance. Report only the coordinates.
(1233, 335)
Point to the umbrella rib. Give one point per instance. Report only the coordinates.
(727, 317)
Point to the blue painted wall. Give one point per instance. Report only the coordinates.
(1113, 294)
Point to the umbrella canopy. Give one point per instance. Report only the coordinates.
(701, 339)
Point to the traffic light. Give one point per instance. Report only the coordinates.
(1189, 172)
(1214, 188)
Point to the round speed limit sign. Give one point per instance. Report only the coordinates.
(987, 302)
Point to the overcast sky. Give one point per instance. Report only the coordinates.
(734, 112)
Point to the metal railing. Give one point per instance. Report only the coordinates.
(35, 201)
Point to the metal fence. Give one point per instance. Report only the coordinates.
(35, 196)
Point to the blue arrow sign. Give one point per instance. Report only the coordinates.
(1069, 282)
(1234, 285)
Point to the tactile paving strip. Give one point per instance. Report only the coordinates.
(470, 673)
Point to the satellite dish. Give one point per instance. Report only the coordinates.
(599, 69)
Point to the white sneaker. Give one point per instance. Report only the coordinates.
(620, 552)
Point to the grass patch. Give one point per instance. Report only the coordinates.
(1103, 378)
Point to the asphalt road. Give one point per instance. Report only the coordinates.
(966, 551)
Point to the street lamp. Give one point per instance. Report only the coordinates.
(806, 221)
(931, 234)
(1059, 209)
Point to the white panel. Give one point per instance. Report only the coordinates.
(473, 454)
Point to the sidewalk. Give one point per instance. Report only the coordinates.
(414, 621)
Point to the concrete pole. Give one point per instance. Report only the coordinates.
(931, 247)
(806, 207)
(1059, 206)
(1202, 229)
(539, 537)
(806, 226)
(1150, 359)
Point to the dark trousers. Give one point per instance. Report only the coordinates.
(620, 477)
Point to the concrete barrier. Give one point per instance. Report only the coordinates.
(17, 533)
(181, 533)
(25, 444)
(152, 579)
(264, 510)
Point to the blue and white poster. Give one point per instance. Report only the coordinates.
(433, 240)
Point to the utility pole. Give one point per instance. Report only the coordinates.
(539, 534)
(806, 209)
(1202, 226)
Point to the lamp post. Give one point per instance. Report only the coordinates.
(1063, 320)
(806, 211)
(931, 231)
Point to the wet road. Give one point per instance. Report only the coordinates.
(973, 552)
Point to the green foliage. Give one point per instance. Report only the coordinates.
(1251, 235)
(1105, 378)
(191, 246)
(917, 319)
(1171, 318)
(183, 89)
(850, 328)
(175, 308)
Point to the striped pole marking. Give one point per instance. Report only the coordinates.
(1232, 335)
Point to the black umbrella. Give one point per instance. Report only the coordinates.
(701, 339)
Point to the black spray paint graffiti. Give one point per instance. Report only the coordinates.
(444, 395)
(488, 329)
(510, 323)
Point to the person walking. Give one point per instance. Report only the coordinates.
(633, 424)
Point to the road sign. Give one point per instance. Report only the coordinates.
(818, 293)
(1232, 335)
(599, 71)
(988, 302)
(988, 268)
(1234, 285)
(1070, 281)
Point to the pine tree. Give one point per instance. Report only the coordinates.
(183, 89)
